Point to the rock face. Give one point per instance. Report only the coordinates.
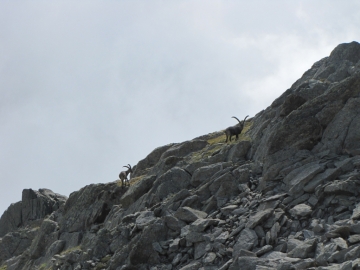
(284, 196)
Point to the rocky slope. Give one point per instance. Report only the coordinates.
(284, 196)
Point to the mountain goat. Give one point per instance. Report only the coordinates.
(235, 130)
(123, 175)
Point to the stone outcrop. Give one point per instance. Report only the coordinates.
(284, 196)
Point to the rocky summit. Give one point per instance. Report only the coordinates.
(285, 195)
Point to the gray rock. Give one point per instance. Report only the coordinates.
(34, 205)
(293, 243)
(247, 240)
(238, 151)
(48, 233)
(209, 258)
(263, 250)
(173, 223)
(200, 249)
(300, 210)
(327, 175)
(356, 212)
(222, 237)
(185, 148)
(188, 214)
(341, 187)
(191, 266)
(298, 178)
(258, 218)
(201, 224)
(143, 251)
(172, 181)
(145, 219)
(353, 239)
(304, 250)
(135, 191)
(145, 164)
(340, 243)
(204, 174)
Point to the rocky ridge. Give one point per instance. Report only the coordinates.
(284, 196)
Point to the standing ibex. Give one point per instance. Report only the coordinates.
(123, 175)
(235, 130)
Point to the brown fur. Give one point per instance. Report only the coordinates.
(123, 175)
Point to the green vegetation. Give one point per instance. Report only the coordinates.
(4, 267)
(69, 250)
(44, 266)
(132, 181)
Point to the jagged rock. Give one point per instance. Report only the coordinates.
(238, 151)
(201, 224)
(353, 239)
(304, 250)
(185, 148)
(145, 219)
(341, 187)
(145, 164)
(223, 188)
(15, 243)
(90, 205)
(247, 240)
(340, 243)
(48, 233)
(205, 173)
(356, 212)
(137, 190)
(258, 218)
(173, 223)
(191, 266)
(301, 210)
(292, 243)
(188, 214)
(298, 178)
(172, 181)
(327, 175)
(34, 205)
(143, 251)
(292, 102)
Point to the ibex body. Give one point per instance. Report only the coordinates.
(235, 130)
(123, 175)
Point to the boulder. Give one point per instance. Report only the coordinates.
(247, 240)
(258, 218)
(188, 214)
(204, 174)
(301, 210)
(34, 205)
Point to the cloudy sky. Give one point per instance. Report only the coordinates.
(89, 86)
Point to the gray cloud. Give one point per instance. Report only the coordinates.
(87, 86)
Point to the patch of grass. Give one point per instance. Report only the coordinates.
(69, 250)
(106, 259)
(219, 139)
(44, 266)
(132, 181)
(4, 267)
(100, 266)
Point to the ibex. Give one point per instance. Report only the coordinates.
(235, 130)
(123, 175)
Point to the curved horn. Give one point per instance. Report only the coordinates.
(236, 119)
(126, 167)
(129, 166)
(245, 119)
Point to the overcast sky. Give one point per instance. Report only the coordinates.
(89, 86)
